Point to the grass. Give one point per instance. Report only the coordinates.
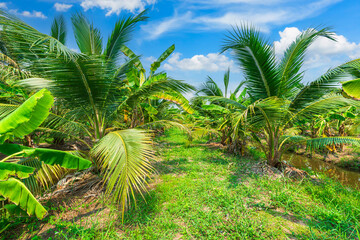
(202, 193)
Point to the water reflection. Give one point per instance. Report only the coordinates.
(346, 177)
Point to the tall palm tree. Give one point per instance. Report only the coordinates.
(91, 87)
(278, 97)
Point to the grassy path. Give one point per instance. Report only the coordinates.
(206, 194)
(203, 193)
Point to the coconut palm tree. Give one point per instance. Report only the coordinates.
(210, 91)
(142, 91)
(91, 87)
(278, 97)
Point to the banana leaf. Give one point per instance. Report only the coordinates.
(48, 156)
(14, 170)
(14, 190)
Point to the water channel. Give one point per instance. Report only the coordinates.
(346, 177)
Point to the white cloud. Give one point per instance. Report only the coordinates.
(33, 14)
(263, 14)
(323, 52)
(150, 59)
(3, 5)
(154, 30)
(211, 62)
(62, 7)
(321, 46)
(116, 6)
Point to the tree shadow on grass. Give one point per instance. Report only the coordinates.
(175, 166)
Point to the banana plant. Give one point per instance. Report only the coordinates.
(24, 120)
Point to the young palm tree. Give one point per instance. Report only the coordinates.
(278, 97)
(144, 89)
(211, 88)
(211, 91)
(91, 87)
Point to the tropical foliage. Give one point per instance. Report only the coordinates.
(13, 169)
(278, 100)
(103, 101)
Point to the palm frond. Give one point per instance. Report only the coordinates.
(318, 88)
(124, 158)
(222, 100)
(320, 106)
(88, 38)
(226, 81)
(23, 41)
(58, 29)
(121, 35)
(210, 88)
(291, 64)
(256, 59)
(316, 143)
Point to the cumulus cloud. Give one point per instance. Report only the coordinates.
(212, 62)
(116, 6)
(62, 7)
(322, 51)
(3, 5)
(32, 14)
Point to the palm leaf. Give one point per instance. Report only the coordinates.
(58, 29)
(291, 64)
(223, 100)
(256, 59)
(210, 88)
(320, 106)
(88, 38)
(121, 35)
(316, 89)
(24, 42)
(124, 158)
(325, 141)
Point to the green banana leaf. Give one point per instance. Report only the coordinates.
(48, 156)
(26, 118)
(8, 170)
(155, 65)
(214, 107)
(14, 190)
(352, 89)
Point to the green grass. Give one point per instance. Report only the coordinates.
(204, 193)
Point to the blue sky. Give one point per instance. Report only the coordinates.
(197, 28)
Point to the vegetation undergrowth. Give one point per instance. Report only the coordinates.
(200, 192)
